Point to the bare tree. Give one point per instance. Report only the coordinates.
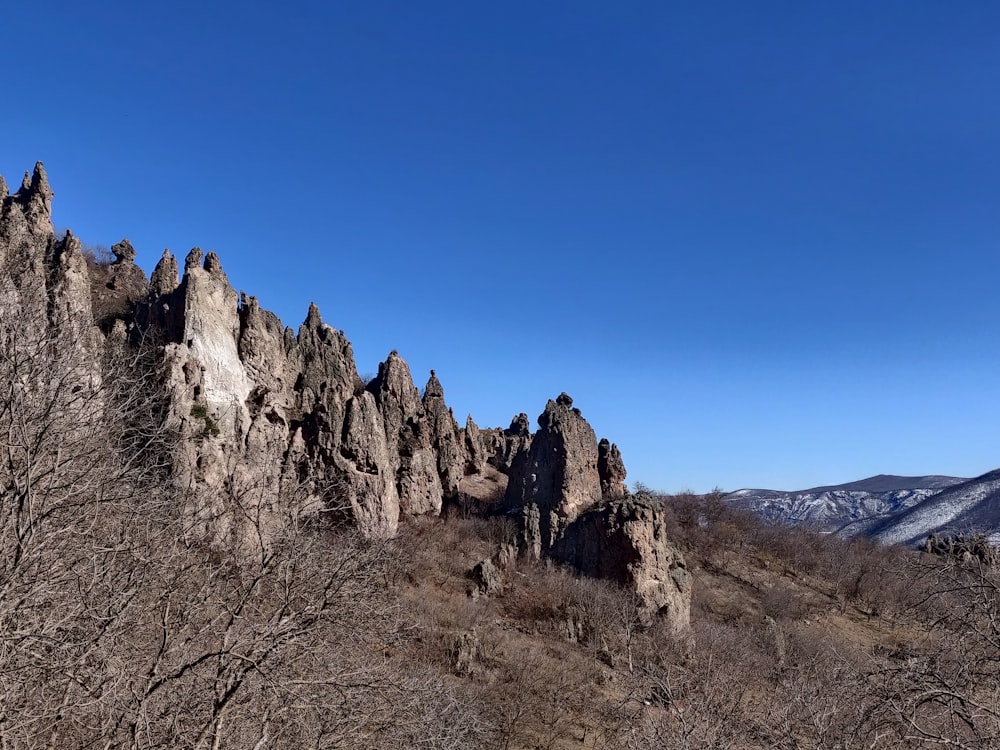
(946, 690)
(121, 628)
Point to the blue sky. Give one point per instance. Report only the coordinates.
(756, 242)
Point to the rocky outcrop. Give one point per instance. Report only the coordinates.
(556, 478)
(370, 487)
(27, 243)
(276, 424)
(611, 470)
(44, 283)
(965, 548)
(117, 287)
(627, 541)
(165, 278)
(486, 579)
(126, 277)
(408, 432)
(505, 447)
(475, 449)
(445, 437)
(70, 309)
(569, 492)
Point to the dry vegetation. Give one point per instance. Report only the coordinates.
(119, 628)
(798, 640)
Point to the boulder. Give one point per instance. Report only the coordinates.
(627, 541)
(486, 578)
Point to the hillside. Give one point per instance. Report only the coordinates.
(215, 534)
(797, 640)
(832, 507)
(971, 506)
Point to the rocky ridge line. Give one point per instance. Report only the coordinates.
(276, 424)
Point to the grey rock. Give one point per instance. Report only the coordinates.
(475, 450)
(487, 579)
(277, 424)
(556, 479)
(193, 259)
(446, 439)
(505, 447)
(627, 541)
(41, 278)
(165, 277)
(123, 252)
(408, 432)
(464, 653)
(369, 484)
(118, 287)
(71, 310)
(213, 265)
(611, 470)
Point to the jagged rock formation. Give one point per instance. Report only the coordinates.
(504, 447)
(627, 541)
(445, 437)
(276, 424)
(569, 491)
(116, 287)
(475, 449)
(27, 247)
(555, 478)
(611, 470)
(408, 431)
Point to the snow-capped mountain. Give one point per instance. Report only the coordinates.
(832, 507)
(972, 505)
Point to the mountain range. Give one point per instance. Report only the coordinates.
(893, 509)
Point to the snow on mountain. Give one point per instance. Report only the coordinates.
(832, 507)
(972, 505)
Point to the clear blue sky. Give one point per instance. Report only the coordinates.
(756, 242)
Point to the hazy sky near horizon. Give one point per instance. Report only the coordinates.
(756, 242)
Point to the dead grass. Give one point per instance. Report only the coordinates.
(789, 631)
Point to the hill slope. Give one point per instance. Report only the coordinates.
(970, 505)
(834, 506)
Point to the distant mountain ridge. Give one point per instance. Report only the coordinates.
(831, 507)
(971, 505)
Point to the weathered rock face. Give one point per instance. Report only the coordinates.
(486, 579)
(44, 284)
(408, 433)
(611, 470)
(626, 541)
(165, 278)
(27, 243)
(504, 447)
(116, 288)
(556, 479)
(126, 276)
(445, 437)
(69, 295)
(574, 508)
(275, 424)
(371, 489)
(475, 449)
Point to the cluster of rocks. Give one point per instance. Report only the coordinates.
(276, 423)
(965, 548)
